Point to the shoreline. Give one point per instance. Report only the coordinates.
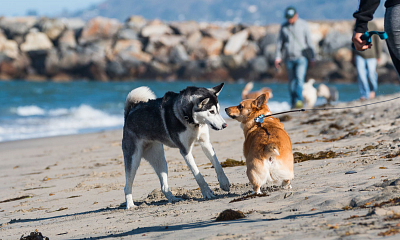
(73, 185)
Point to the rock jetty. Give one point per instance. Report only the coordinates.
(104, 49)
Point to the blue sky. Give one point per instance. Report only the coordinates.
(43, 7)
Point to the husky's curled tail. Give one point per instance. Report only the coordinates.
(140, 94)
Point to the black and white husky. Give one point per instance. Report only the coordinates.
(177, 120)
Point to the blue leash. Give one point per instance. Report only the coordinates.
(367, 36)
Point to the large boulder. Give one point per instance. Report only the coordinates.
(335, 40)
(259, 64)
(67, 40)
(156, 28)
(178, 54)
(161, 54)
(36, 41)
(135, 23)
(171, 40)
(185, 28)
(193, 40)
(99, 28)
(214, 62)
(75, 24)
(14, 68)
(52, 62)
(236, 42)
(69, 60)
(159, 68)
(249, 50)
(65, 61)
(218, 33)
(133, 60)
(270, 52)
(130, 52)
(133, 46)
(116, 69)
(211, 46)
(57, 62)
(95, 52)
(233, 62)
(318, 33)
(51, 27)
(343, 57)
(256, 32)
(9, 48)
(128, 34)
(17, 26)
(268, 39)
(322, 70)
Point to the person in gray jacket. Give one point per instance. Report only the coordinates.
(295, 49)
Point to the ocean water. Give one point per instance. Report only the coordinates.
(42, 109)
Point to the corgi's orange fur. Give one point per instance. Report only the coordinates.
(246, 94)
(267, 147)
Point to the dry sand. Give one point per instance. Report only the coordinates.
(71, 187)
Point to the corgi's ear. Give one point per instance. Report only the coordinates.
(217, 89)
(260, 100)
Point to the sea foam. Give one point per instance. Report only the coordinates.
(36, 122)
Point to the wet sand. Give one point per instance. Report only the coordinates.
(71, 187)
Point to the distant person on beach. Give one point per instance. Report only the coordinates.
(294, 47)
(366, 62)
(365, 13)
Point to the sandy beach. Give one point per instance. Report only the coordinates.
(71, 187)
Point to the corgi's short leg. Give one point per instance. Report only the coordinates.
(286, 184)
(255, 181)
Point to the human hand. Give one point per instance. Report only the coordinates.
(360, 45)
(278, 63)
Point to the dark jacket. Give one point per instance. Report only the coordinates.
(376, 49)
(366, 11)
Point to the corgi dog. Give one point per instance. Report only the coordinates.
(267, 147)
(246, 94)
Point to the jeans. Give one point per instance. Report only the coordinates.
(367, 75)
(296, 69)
(392, 28)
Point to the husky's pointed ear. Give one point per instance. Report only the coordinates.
(260, 100)
(217, 89)
(203, 103)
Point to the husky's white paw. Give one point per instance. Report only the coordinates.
(173, 199)
(130, 205)
(224, 183)
(207, 193)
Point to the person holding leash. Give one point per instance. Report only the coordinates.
(366, 62)
(294, 47)
(365, 13)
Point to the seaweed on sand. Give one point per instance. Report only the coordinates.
(301, 157)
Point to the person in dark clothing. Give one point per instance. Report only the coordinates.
(365, 14)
